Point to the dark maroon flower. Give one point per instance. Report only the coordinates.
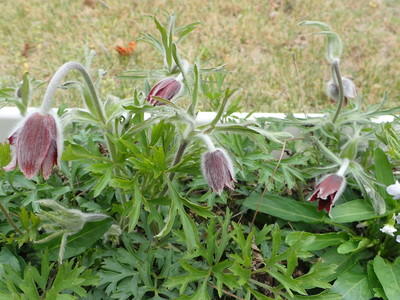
(167, 88)
(328, 190)
(36, 145)
(218, 170)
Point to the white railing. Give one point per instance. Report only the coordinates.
(10, 116)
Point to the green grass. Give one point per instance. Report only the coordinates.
(278, 65)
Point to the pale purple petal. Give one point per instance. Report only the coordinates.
(50, 160)
(218, 170)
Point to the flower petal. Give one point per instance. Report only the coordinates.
(166, 88)
(325, 204)
(12, 164)
(33, 143)
(394, 190)
(330, 185)
(50, 160)
(218, 170)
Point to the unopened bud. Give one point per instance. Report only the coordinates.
(167, 88)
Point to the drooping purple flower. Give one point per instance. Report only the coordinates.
(167, 88)
(218, 170)
(36, 145)
(328, 190)
(349, 90)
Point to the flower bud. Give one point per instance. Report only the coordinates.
(36, 145)
(167, 88)
(349, 89)
(68, 219)
(218, 170)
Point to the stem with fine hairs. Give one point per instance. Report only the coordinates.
(338, 76)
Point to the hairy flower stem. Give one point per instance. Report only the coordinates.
(99, 111)
(9, 219)
(207, 141)
(343, 167)
(338, 76)
(63, 245)
(56, 81)
(178, 156)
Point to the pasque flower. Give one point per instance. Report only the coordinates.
(167, 88)
(217, 167)
(36, 145)
(349, 89)
(329, 189)
(218, 170)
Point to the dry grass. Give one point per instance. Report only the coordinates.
(279, 65)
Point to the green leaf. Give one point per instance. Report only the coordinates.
(8, 258)
(326, 295)
(288, 283)
(318, 276)
(353, 285)
(134, 210)
(78, 242)
(71, 278)
(202, 293)
(25, 92)
(169, 222)
(320, 241)
(192, 107)
(352, 211)
(389, 276)
(342, 262)
(80, 115)
(285, 208)
(383, 173)
(334, 47)
(5, 154)
(321, 25)
(102, 183)
(276, 240)
(373, 281)
(368, 188)
(182, 31)
(76, 152)
(189, 228)
(334, 43)
(258, 295)
(353, 246)
(193, 274)
(198, 209)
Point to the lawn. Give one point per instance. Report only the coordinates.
(277, 64)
